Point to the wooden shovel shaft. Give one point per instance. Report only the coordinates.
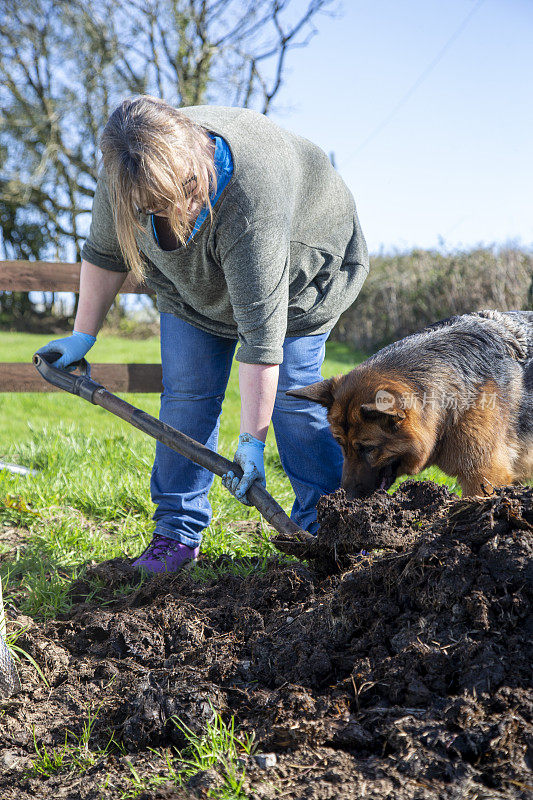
(93, 392)
(199, 454)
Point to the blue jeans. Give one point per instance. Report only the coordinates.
(196, 367)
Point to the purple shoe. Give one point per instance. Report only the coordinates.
(165, 555)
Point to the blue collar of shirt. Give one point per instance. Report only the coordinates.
(224, 170)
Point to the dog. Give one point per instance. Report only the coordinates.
(458, 395)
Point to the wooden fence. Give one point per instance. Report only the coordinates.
(45, 276)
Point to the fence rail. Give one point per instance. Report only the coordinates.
(49, 276)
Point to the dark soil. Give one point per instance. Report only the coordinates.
(405, 673)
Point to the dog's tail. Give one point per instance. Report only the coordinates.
(515, 328)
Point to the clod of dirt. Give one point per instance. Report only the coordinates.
(382, 521)
(385, 522)
(405, 673)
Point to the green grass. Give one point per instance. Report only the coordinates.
(24, 416)
(18, 654)
(75, 754)
(89, 500)
(219, 748)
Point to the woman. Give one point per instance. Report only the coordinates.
(248, 235)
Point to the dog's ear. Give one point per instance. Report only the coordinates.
(386, 417)
(320, 392)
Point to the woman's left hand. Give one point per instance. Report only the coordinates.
(249, 456)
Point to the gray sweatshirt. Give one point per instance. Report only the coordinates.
(284, 255)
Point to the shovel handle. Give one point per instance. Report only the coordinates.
(81, 384)
(93, 392)
(199, 454)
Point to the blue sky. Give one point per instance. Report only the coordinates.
(453, 166)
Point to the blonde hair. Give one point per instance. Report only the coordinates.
(153, 156)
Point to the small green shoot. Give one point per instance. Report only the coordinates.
(72, 756)
(19, 654)
(50, 762)
(219, 748)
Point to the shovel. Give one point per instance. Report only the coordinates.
(93, 392)
(9, 679)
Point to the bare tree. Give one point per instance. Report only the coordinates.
(230, 51)
(64, 65)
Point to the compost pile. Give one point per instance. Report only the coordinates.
(404, 673)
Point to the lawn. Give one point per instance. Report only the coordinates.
(88, 501)
(89, 498)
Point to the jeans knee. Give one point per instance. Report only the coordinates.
(192, 396)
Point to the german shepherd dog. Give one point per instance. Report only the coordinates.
(458, 394)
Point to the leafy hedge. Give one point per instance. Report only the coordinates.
(405, 292)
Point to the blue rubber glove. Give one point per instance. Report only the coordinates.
(249, 456)
(72, 348)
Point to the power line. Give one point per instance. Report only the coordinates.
(421, 78)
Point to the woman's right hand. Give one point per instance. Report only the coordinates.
(72, 348)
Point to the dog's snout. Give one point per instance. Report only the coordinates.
(356, 491)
